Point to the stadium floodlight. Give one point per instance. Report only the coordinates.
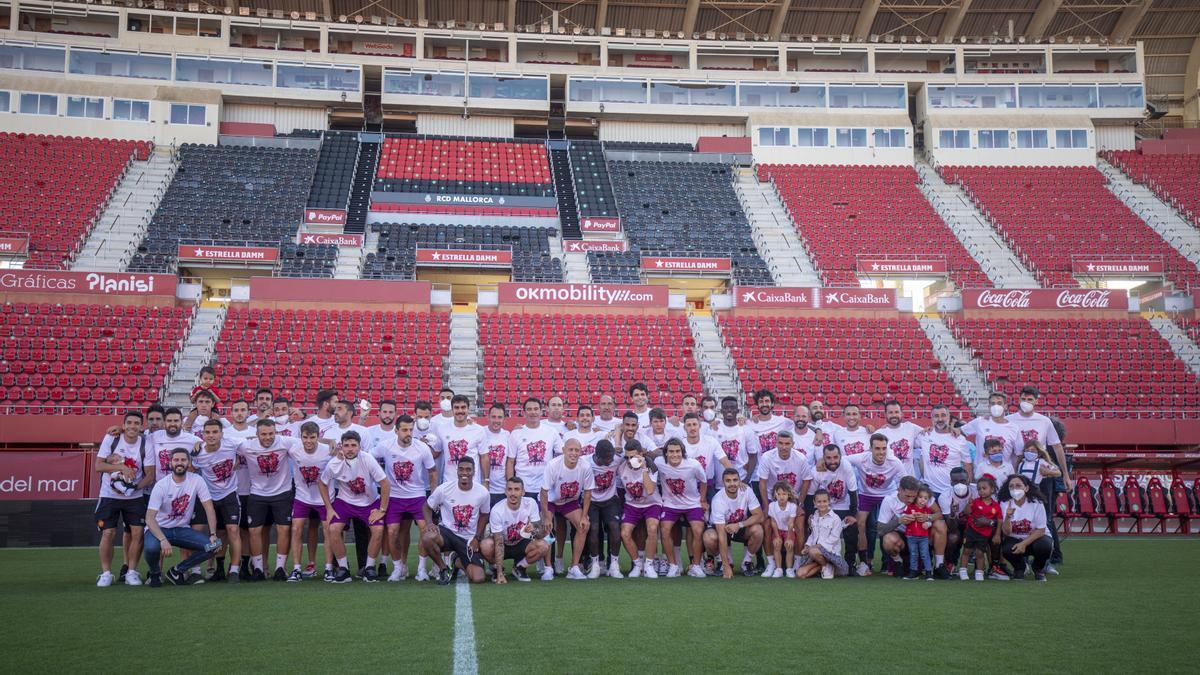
(962, 39)
(295, 15)
(243, 11)
(1021, 39)
(545, 28)
(845, 37)
(739, 36)
(1070, 39)
(376, 20)
(191, 6)
(422, 23)
(918, 39)
(635, 32)
(576, 29)
(277, 14)
(903, 39)
(450, 23)
(710, 35)
(342, 18)
(889, 39)
(391, 21)
(873, 37)
(605, 31)
(470, 25)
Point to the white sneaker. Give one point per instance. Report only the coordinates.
(548, 574)
(397, 574)
(649, 572)
(104, 580)
(637, 569)
(789, 573)
(576, 573)
(962, 573)
(132, 578)
(827, 571)
(777, 574)
(863, 569)
(978, 575)
(1050, 569)
(614, 570)
(594, 573)
(770, 570)
(672, 571)
(403, 571)
(422, 575)
(696, 571)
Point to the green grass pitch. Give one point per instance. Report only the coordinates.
(1120, 605)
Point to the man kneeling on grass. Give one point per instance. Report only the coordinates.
(516, 525)
(168, 518)
(736, 517)
(464, 506)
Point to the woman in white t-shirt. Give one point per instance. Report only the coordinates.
(1024, 527)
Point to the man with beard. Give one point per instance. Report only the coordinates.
(784, 464)
(343, 418)
(267, 456)
(123, 461)
(534, 445)
(411, 471)
(809, 441)
(566, 498)
(639, 402)
(901, 434)
(308, 462)
(362, 494)
(878, 472)
(172, 503)
(464, 507)
(464, 438)
(840, 480)
(497, 443)
(215, 459)
(517, 533)
(556, 407)
(162, 443)
(766, 424)
(264, 401)
(893, 519)
(585, 432)
(854, 438)
(380, 435)
(607, 420)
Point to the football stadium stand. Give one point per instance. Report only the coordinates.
(231, 195)
(1049, 214)
(847, 212)
(865, 361)
(1087, 367)
(63, 359)
(368, 355)
(53, 188)
(584, 356)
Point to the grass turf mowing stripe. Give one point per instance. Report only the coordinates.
(465, 661)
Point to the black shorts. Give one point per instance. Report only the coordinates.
(607, 511)
(110, 511)
(973, 539)
(263, 511)
(515, 552)
(453, 543)
(228, 511)
(739, 536)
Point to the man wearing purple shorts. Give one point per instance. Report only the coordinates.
(642, 505)
(362, 490)
(308, 461)
(410, 469)
(684, 491)
(878, 472)
(567, 495)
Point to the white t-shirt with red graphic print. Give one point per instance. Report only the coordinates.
(564, 484)
(269, 468)
(306, 472)
(498, 447)
(357, 480)
(407, 468)
(533, 450)
(1026, 518)
(459, 442)
(461, 509)
(727, 510)
(176, 501)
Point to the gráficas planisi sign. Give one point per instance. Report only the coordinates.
(95, 283)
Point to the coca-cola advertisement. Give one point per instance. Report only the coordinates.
(1084, 299)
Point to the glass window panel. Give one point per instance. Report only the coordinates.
(119, 64)
(253, 73)
(1122, 96)
(674, 93)
(1058, 96)
(607, 91)
(972, 97)
(45, 59)
(781, 96)
(511, 88)
(845, 96)
(310, 77)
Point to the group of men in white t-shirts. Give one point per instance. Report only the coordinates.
(800, 494)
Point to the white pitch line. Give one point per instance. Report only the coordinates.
(465, 660)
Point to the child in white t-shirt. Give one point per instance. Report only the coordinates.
(781, 528)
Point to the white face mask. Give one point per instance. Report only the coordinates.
(997, 411)
(961, 489)
(422, 424)
(444, 404)
(1026, 407)
(1017, 494)
(709, 415)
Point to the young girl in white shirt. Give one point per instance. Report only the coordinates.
(781, 528)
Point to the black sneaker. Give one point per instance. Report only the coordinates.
(370, 576)
(1039, 576)
(941, 573)
(444, 576)
(121, 575)
(520, 573)
(294, 577)
(328, 576)
(1018, 576)
(176, 577)
(258, 575)
(748, 569)
(154, 581)
(342, 576)
(195, 578)
(381, 571)
(218, 574)
(233, 579)
(279, 575)
(912, 574)
(453, 565)
(244, 573)
(928, 575)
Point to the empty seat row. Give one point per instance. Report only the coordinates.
(396, 254)
(1175, 178)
